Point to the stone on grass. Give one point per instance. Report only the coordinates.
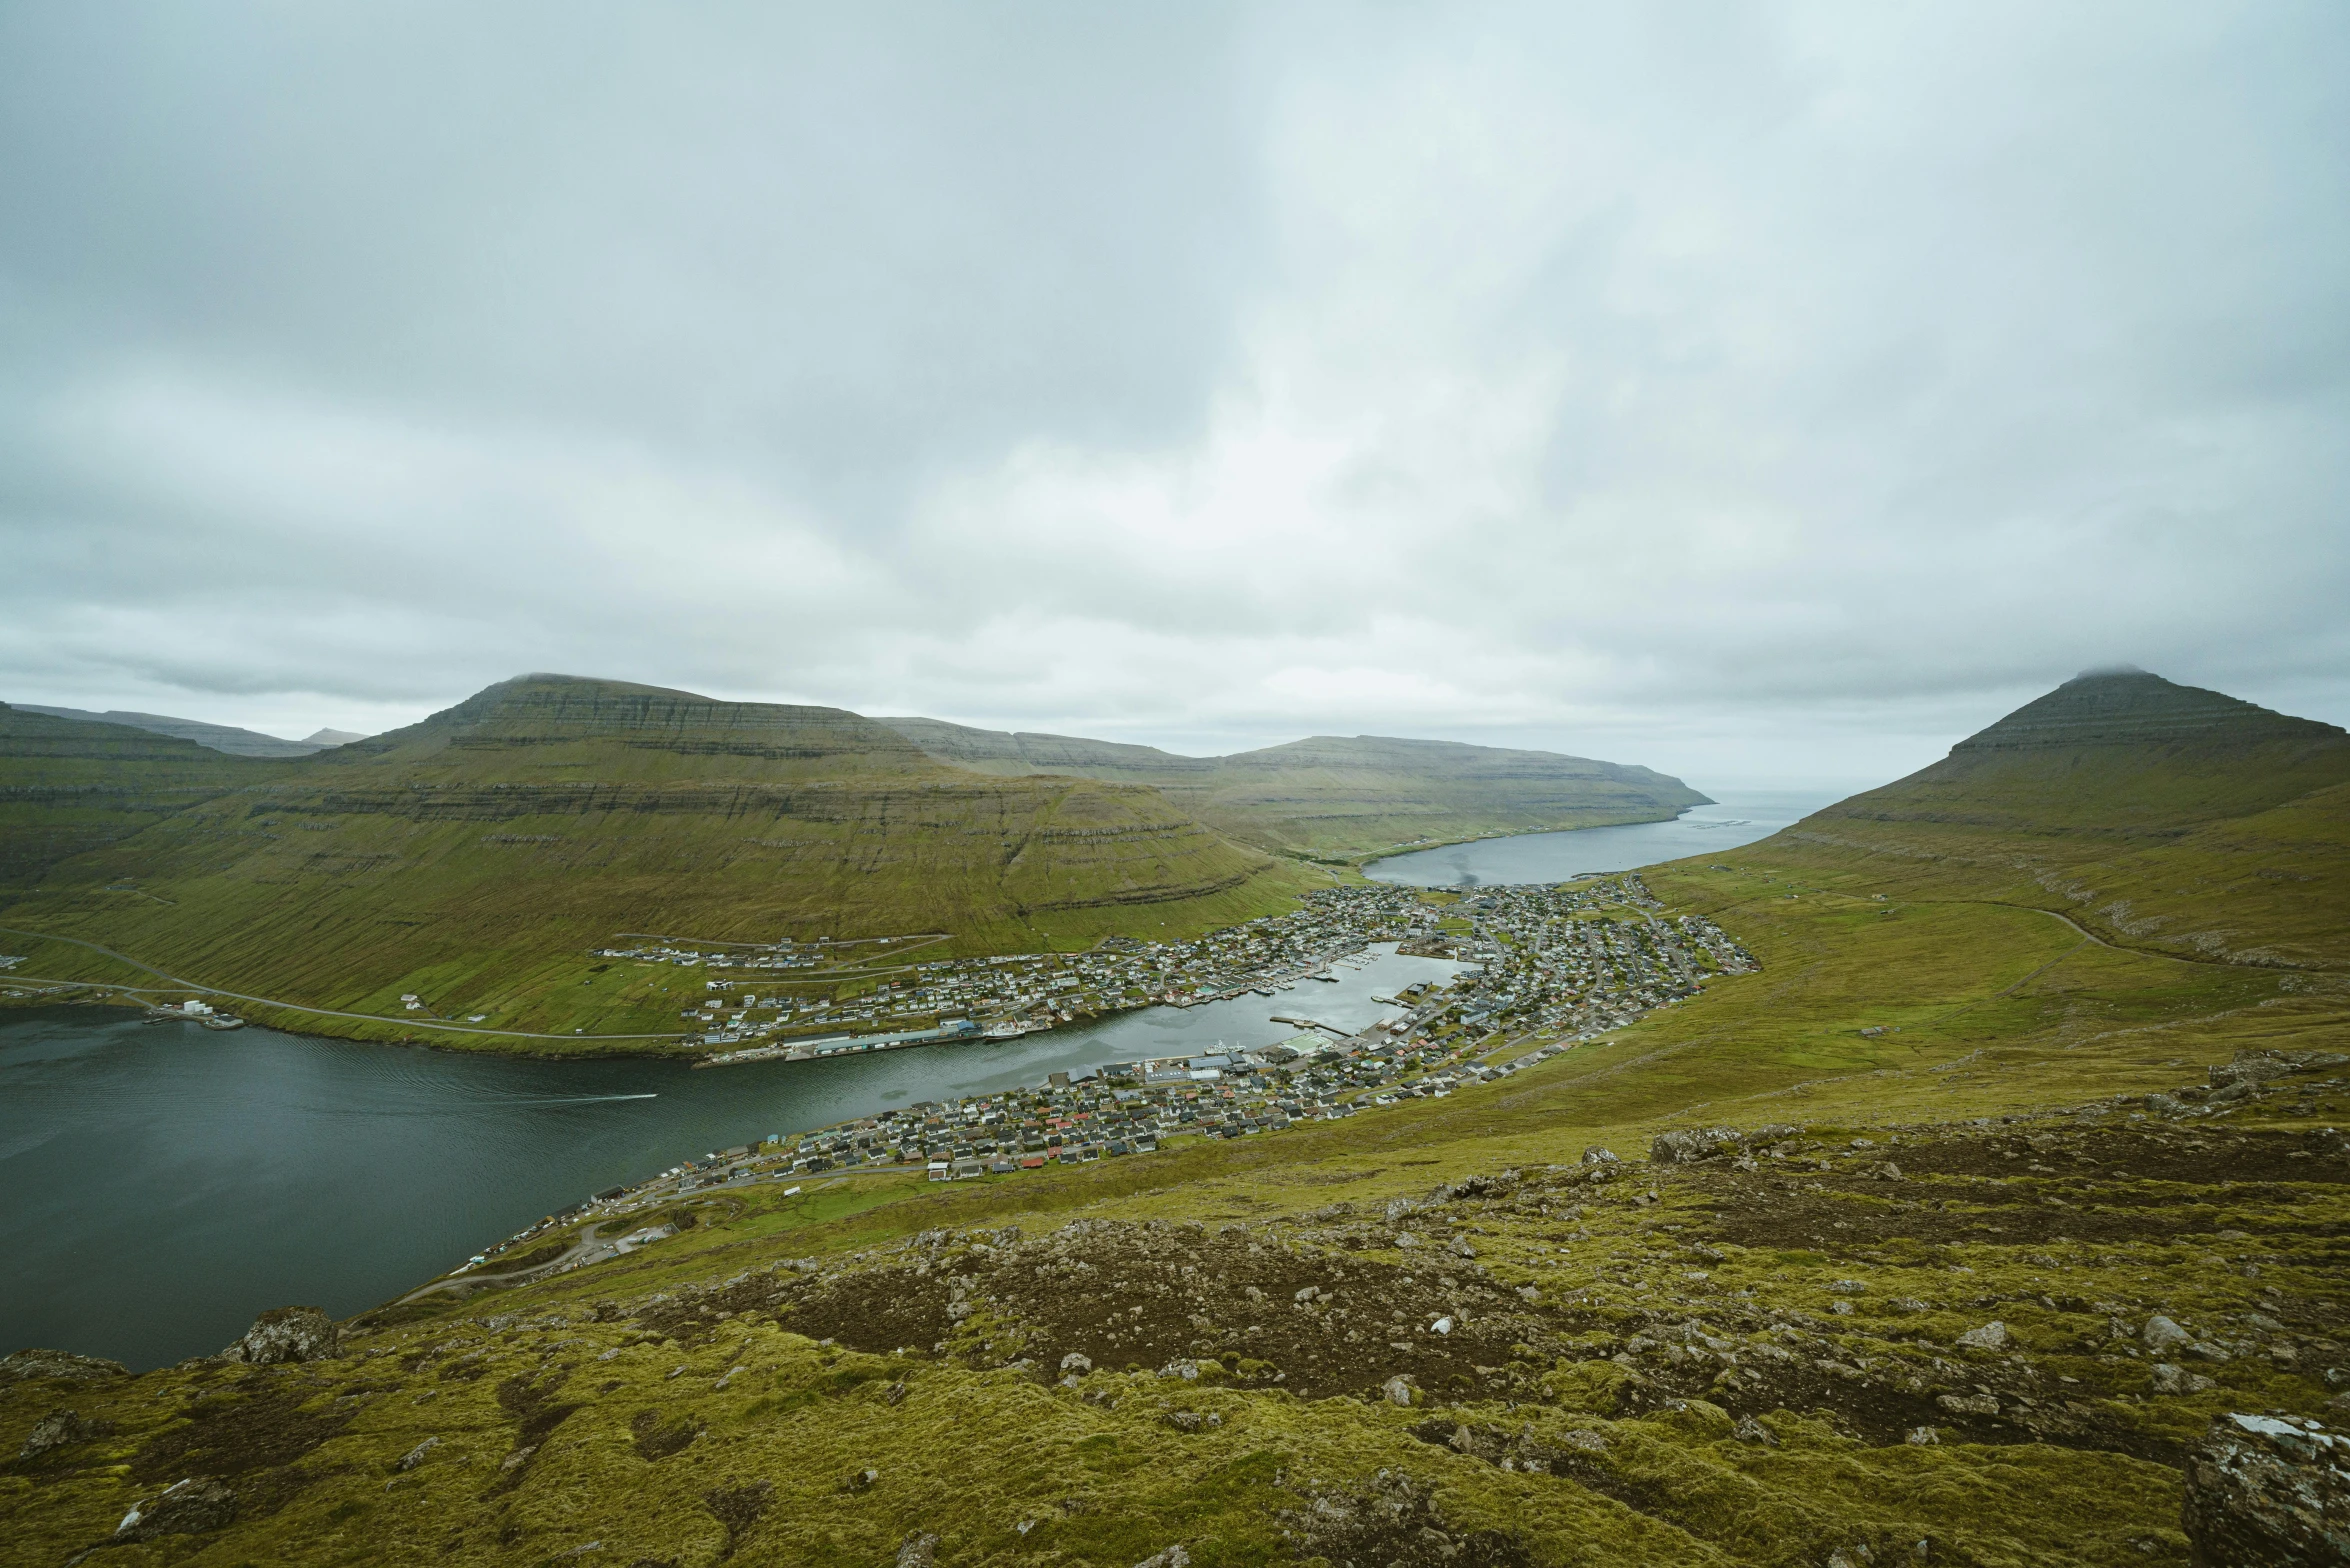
(1749, 1430)
(1991, 1336)
(1076, 1362)
(285, 1335)
(60, 1363)
(2263, 1490)
(57, 1429)
(920, 1550)
(1922, 1437)
(1172, 1557)
(188, 1508)
(2160, 1333)
(1399, 1390)
(1595, 1155)
(415, 1456)
(2169, 1379)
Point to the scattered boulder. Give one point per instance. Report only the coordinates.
(2169, 1379)
(1172, 1557)
(1922, 1437)
(1969, 1404)
(919, 1550)
(2265, 1490)
(1991, 1336)
(1749, 1430)
(1687, 1146)
(1393, 1521)
(189, 1508)
(58, 1429)
(1399, 1391)
(1595, 1155)
(2160, 1333)
(60, 1363)
(415, 1456)
(1076, 1364)
(287, 1334)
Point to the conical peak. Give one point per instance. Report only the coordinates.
(2123, 706)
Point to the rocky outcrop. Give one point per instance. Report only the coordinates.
(189, 1508)
(2268, 1490)
(287, 1334)
(58, 1429)
(60, 1363)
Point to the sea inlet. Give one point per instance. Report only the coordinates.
(166, 1183)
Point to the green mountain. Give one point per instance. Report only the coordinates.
(2158, 815)
(1339, 798)
(68, 786)
(1942, 1236)
(217, 737)
(481, 852)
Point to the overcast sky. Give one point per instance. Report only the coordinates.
(1762, 392)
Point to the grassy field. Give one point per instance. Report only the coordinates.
(722, 1397)
(1984, 1217)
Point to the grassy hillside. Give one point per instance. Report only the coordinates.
(213, 737)
(68, 786)
(481, 853)
(1780, 1355)
(1339, 798)
(2157, 815)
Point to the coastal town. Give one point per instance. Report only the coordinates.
(1544, 969)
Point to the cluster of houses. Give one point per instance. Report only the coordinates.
(880, 997)
(1547, 965)
(1584, 956)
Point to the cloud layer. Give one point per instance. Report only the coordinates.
(1756, 392)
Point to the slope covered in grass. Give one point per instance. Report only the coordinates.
(2158, 815)
(487, 848)
(1340, 797)
(1763, 1357)
(68, 785)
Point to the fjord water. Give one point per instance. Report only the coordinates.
(1554, 857)
(165, 1183)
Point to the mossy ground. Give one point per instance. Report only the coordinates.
(1679, 1387)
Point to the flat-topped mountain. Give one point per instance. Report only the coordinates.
(492, 844)
(1340, 796)
(2164, 815)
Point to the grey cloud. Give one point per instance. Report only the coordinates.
(1760, 384)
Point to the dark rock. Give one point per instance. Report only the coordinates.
(57, 1429)
(287, 1334)
(2268, 1491)
(189, 1508)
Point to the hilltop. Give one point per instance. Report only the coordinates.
(2156, 815)
(1340, 798)
(226, 738)
(1936, 1233)
(484, 851)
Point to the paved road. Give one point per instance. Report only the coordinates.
(297, 1007)
(466, 1281)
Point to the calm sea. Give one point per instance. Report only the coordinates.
(163, 1184)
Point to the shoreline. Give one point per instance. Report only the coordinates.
(1363, 865)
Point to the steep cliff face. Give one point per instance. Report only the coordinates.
(1335, 795)
(2161, 815)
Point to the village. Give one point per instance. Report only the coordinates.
(1546, 968)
